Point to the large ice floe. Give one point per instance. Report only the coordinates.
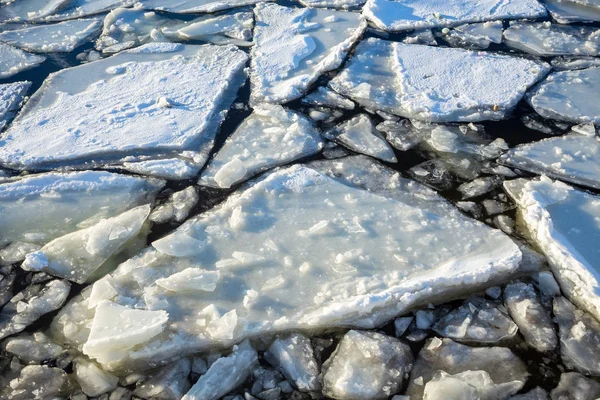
(400, 15)
(563, 223)
(294, 46)
(11, 96)
(461, 85)
(566, 96)
(193, 6)
(296, 249)
(13, 60)
(158, 101)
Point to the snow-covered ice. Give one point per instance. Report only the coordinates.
(13, 60)
(461, 85)
(294, 46)
(400, 15)
(570, 158)
(159, 97)
(568, 11)
(82, 8)
(11, 96)
(193, 6)
(27, 10)
(61, 37)
(269, 137)
(568, 96)
(563, 222)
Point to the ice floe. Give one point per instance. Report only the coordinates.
(395, 15)
(13, 60)
(160, 98)
(294, 46)
(344, 4)
(474, 36)
(269, 137)
(83, 8)
(461, 85)
(61, 37)
(568, 11)
(193, 6)
(11, 96)
(26, 10)
(566, 96)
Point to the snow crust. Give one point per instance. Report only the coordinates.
(11, 96)
(13, 60)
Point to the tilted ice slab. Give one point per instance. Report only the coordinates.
(269, 137)
(160, 98)
(546, 39)
(13, 61)
(61, 37)
(11, 95)
(568, 96)
(568, 11)
(461, 85)
(571, 158)
(193, 6)
(564, 223)
(294, 46)
(299, 250)
(39, 208)
(399, 15)
(343, 4)
(125, 28)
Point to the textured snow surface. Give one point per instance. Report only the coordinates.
(546, 39)
(461, 85)
(193, 6)
(294, 46)
(11, 96)
(13, 60)
(564, 223)
(400, 15)
(61, 37)
(571, 158)
(568, 96)
(269, 137)
(158, 97)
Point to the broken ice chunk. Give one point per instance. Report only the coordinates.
(567, 11)
(546, 39)
(479, 186)
(33, 348)
(570, 158)
(420, 36)
(575, 386)
(326, 97)
(83, 8)
(177, 207)
(169, 382)
(11, 96)
(343, 4)
(225, 374)
(167, 168)
(535, 394)
(461, 85)
(92, 379)
(474, 36)
(294, 46)
(569, 63)
(28, 10)
(189, 280)
(391, 15)
(62, 37)
(384, 363)
(38, 382)
(193, 6)
(469, 385)
(359, 134)
(568, 96)
(13, 60)
(269, 137)
(564, 223)
(293, 355)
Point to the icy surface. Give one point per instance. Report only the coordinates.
(294, 356)
(344, 4)
(474, 36)
(269, 137)
(564, 223)
(33, 348)
(460, 86)
(567, 96)
(366, 365)
(400, 15)
(158, 97)
(92, 379)
(11, 96)
(571, 158)
(546, 39)
(83, 8)
(177, 207)
(193, 6)
(294, 46)
(25, 10)
(61, 37)
(168, 168)
(13, 60)
(37, 382)
(468, 385)
(568, 11)
(359, 135)
(576, 386)
(169, 382)
(324, 96)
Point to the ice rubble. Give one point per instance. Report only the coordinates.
(13, 60)
(461, 85)
(293, 355)
(576, 386)
(125, 28)
(11, 96)
(61, 37)
(394, 15)
(546, 39)
(343, 4)
(294, 46)
(468, 385)
(474, 36)
(563, 223)
(38, 382)
(32, 348)
(193, 6)
(568, 11)
(169, 382)
(326, 97)
(177, 207)
(366, 365)
(83, 8)
(160, 98)
(269, 137)
(307, 278)
(571, 158)
(92, 379)
(566, 96)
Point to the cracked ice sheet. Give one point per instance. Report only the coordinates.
(564, 223)
(269, 137)
(298, 249)
(399, 15)
(294, 46)
(461, 86)
(158, 98)
(571, 158)
(13, 60)
(62, 37)
(193, 6)
(11, 95)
